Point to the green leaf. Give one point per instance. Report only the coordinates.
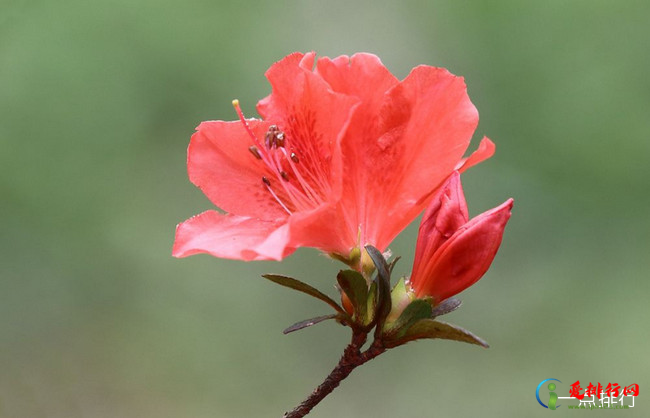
(304, 288)
(400, 297)
(415, 311)
(383, 287)
(379, 261)
(309, 322)
(356, 288)
(429, 328)
(447, 305)
(399, 292)
(391, 266)
(372, 302)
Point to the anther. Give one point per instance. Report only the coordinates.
(266, 181)
(253, 149)
(284, 175)
(274, 137)
(294, 157)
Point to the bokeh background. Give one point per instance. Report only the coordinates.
(97, 104)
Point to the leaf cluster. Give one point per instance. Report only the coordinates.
(367, 306)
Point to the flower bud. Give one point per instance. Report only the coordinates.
(453, 253)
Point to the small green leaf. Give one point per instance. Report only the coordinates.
(399, 292)
(429, 328)
(383, 287)
(372, 302)
(351, 260)
(391, 266)
(379, 261)
(447, 305)
(340, 258)
(304, 288)
(309, 322)
(356, 288)
(400, 297)
(415, 311)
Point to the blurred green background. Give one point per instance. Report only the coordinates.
(98, 101)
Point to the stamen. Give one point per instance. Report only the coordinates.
(299, 190)
(275, 196)
(256, 153)
(235, 104)
(267, 137)
(274, 138)
(253, 149)
(309, 192)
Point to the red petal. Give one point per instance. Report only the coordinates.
(424, 127)
(363, 76)
(312, 116)
(230, 236)
(466, 256)
(324, 229)
(220, 163)
(484, 151)
(446, 213)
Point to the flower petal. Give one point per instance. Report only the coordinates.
(355, 156)
(323, 229)
(424, 127)
(466, 256)
(231, 236)
(446, 213)
(221, 165)
(313, 118)
(484, 151)
(362, 75)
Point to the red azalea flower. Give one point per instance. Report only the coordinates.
(345, 155)
(453, 253)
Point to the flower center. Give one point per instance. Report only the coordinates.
(290, 182)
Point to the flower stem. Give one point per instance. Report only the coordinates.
(352, 358)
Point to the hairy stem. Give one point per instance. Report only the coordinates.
(352, 358)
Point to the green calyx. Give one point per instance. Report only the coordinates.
(396, 315)
(354, 286)
(352, 259)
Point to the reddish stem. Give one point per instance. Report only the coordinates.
(352, 358)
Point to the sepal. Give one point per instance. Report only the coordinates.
(383, 305)
(312, 321)
(391, 266)
(414, 312)
(400, 297)
(304, 288)
(355, 287)
(432, 329)
(372, 302)
(446, 306)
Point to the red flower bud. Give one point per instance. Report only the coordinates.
(451, 253)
